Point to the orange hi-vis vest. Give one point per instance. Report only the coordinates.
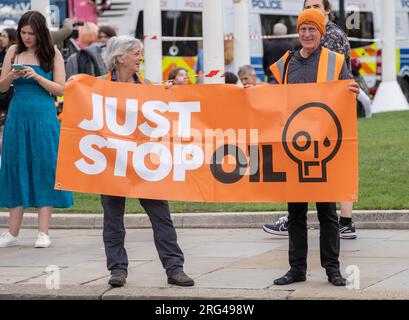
(108, 77)
(329, 67)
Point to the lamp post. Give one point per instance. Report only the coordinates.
(152, 26)
(213, 41)
(241, 34)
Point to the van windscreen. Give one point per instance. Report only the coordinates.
(358, 25)
(268, 21)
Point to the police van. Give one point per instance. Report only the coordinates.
(183, 18)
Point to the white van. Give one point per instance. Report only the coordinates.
(183, 18)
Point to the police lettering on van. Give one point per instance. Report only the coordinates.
(267, 4)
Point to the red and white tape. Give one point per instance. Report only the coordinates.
(150, 37)
(226, 38)
(215, 73)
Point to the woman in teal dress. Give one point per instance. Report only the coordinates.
(31, 132)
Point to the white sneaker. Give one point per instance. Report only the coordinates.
(43, 241)
(7, 240)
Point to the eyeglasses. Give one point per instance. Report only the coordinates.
(309, 29)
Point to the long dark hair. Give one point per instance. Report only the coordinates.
(327, 7)
(45, 51)
(12, 34)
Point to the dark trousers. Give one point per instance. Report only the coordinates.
(164, 234)
(298, 238)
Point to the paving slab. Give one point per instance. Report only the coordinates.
(229, 249)
(399, 281)
(238, 278)
(34, 292)
(137, 293)
(225, 264)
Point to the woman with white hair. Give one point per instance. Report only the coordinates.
(123, 56)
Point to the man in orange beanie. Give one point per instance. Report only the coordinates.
(314, 17)
(312, 63)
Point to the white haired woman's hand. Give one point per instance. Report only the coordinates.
(354, 87)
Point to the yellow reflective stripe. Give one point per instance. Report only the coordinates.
(339, 63)
(323, 66)
(331, 66)
(278, 68)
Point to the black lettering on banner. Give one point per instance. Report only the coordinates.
(254, 165)
(268, 170)
(299, 154)
(217, 168)
(269, 175)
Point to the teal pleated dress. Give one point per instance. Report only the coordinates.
(30, 145)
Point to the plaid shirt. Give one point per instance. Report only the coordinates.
(336, 40)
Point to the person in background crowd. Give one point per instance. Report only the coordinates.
(230, 78)
(63, 33)
(248, 76)
(89, 59)
(274, 49)
(179, 76)
(31, 132)
(8, 37)
(105, 33)
(87, 34)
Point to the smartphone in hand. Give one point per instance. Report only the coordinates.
(18, 66)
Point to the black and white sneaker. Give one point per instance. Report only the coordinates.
(347, 232)
(280, 228)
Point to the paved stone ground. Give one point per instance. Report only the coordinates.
(225, 263)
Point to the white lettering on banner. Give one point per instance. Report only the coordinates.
(122, 148)
(165, 164)
(131, 118)
(99, 159)
(185, 156)
(163, 125)
(184, 109)
(97, 122)
(149, 108)
(182, 161)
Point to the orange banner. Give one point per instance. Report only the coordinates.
(211, 143)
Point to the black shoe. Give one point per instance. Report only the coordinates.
(289, 278)
(181, 279)
(337, 279)
(117, 280)
(348, 231)
(279, 228)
